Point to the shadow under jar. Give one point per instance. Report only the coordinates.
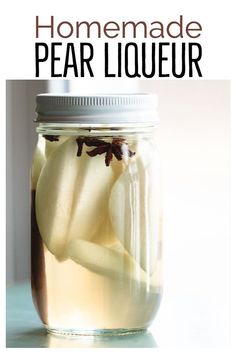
(96, 214)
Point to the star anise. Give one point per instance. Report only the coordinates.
(51, 137)
(80, 142)
(118, 147)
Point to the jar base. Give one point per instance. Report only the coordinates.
(94, 332)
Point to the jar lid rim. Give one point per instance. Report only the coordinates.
(104, 108)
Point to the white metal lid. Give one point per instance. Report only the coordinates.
(103, 109)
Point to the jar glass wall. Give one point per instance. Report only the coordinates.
(96, 228)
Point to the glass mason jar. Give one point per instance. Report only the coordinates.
(96, 214)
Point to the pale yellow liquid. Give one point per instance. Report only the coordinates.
(80, 299)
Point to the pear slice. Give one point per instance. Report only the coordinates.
(134, 208)
(105, 261)
(72, 196)
(37, 165)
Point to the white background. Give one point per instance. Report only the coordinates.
(17, 61)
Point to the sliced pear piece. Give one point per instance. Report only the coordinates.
(105, 261)
(37, 165)
(72, 196)
(54, 197)
(134, 208)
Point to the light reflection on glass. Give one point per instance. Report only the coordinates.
(142, 340)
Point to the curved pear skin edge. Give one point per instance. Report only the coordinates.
(110, 262)
(37, 165)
